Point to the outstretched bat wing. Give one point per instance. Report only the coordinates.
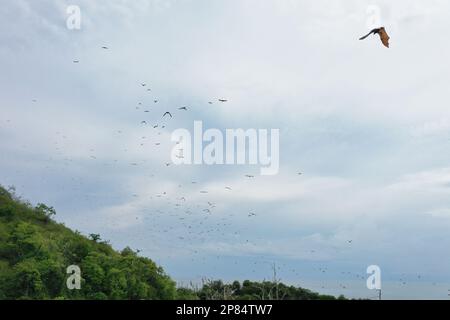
(371, 32)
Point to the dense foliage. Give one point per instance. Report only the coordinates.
(35, 252)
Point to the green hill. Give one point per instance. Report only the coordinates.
(35, 252)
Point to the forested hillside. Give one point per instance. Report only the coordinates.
(35, 252)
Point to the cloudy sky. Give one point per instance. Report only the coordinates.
(369, 128)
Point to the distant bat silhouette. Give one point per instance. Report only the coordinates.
(382, 33)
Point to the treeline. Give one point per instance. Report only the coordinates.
(35, 252)
(250, 290)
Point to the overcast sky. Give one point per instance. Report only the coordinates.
(369, 128)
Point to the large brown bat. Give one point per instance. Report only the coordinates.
(382, 33)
